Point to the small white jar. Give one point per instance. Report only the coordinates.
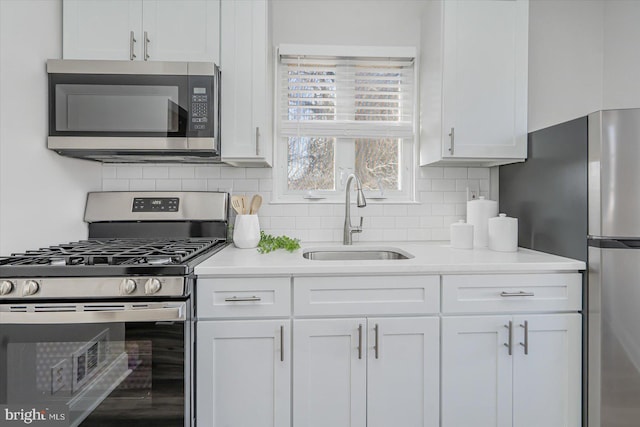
(461, 235)
(246, 231)
(503, 233)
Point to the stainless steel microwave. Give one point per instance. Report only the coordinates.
(134, 111)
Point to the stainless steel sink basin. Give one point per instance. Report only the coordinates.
(355, 254)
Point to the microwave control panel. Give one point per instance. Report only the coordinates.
(199, 108)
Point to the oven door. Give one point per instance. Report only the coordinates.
(96, 364)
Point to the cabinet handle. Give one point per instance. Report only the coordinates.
(517, 294)
(525, 344)
(376, 347)
(452, 138)
(509, 343)
(132, 42)
(281, 343)
(146, 46)
(360, 341)
(243, 299)
(257, 141)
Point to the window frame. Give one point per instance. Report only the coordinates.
(344, 153)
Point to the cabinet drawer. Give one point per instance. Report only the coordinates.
(243, 297)
(363, 295)
(511, 293)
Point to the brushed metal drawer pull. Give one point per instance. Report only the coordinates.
(376, 347)
(243, 299)
(282, 343)
(517, 294)
(509, 343)
(360, 341)
(525, 344)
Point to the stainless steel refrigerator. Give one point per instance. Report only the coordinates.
(578, 195)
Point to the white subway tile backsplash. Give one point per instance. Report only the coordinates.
(128, 172)
(207, 172)
(168, 185)
(441, 193)
(155, 172)
(478, 173)
(455, 173)
(245, 185)
(232, 173)
(194, 185)
(115, 185)
(182, 172)
(142, 185)
(443, 185)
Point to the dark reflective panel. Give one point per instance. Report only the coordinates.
(111, 374)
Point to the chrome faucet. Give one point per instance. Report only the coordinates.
(361, 202)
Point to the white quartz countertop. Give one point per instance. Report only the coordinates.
(428, 257)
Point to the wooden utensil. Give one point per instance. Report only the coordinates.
(256, 202)
(245, 204)
(236, 203)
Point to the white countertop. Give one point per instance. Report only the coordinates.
(429, 257)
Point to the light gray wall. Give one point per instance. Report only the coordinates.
(42, 194)
(583, 57)
(347, 22)
(565, 60)
(621, 54)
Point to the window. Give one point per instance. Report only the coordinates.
(340, 112)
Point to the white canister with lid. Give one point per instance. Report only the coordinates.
(503, 233)
(461, 235)
(478, 213)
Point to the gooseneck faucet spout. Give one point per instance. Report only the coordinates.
(361, 202)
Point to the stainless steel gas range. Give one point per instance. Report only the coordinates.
(100, 332)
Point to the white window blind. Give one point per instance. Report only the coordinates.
(345, 113)
(364, 97)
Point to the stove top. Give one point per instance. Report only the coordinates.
(140, 245)
(115, 252)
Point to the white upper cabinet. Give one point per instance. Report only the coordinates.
(474, 82)
(150, 30)
(247, 82)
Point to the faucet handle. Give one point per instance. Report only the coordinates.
(358, 229)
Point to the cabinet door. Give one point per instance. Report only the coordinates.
(485, 79)
(547, 379)
(476, 371)
(243, 373)
(329, 373)
(246, 79)
(403, 358)
(185, 30)
(98, 29)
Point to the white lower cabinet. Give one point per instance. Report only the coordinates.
(366, 372)
(243, 373)
(520, 371)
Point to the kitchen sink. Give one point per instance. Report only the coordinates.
(355, 254)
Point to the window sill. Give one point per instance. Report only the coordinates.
(341, 202)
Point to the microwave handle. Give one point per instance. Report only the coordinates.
(166, 314)
(132, 43)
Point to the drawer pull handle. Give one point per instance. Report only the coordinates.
(377, 346)
(360, 341)
(517, 294)
(509, 343)
(282, 343)
(525, 344)
(243, 299)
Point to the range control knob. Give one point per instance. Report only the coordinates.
(6, 286)
(152, 286)
(128, 286)
(31, 287)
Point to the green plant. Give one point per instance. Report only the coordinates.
(269, 243)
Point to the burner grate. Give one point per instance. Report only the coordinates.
(116, 252)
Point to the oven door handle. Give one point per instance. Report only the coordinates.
(166, 314)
